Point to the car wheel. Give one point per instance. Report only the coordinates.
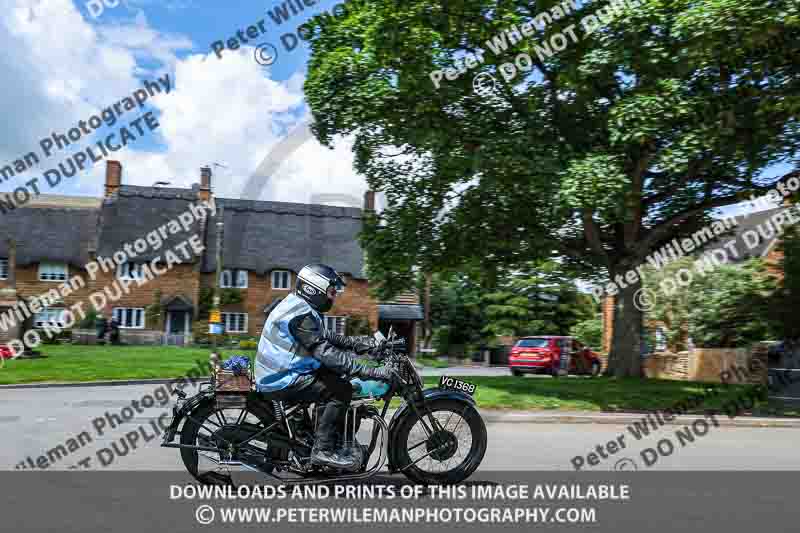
(515, 372)
(595, 369)
(554, 372)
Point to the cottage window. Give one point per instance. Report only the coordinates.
(52, 271)
(336, 324)
(3, 268)
(49, 316)
(130, 317)
(235, 322)
(130, 271)
(281, 279)
(233, 279)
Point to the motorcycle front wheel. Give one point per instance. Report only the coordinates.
(451, 453)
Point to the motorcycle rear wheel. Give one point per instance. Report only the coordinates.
(199, 429)
(444, 448)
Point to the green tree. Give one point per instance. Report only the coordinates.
(590, 332)
(725, 308)
(787, 297)
(729, 308)
(540, 299)
(600, 153)
(457, 314)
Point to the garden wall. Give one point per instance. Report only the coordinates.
(739, 365)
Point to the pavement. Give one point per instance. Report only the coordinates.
(35, 422)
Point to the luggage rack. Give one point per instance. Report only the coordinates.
(230, 390)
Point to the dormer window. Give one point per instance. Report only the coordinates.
(233, 279)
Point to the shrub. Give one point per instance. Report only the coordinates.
(248, 345)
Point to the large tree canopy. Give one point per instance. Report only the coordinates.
(603, 151)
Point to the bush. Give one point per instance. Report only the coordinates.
(589, 332)
(248, 345)
(88, 321)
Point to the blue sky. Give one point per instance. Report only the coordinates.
(64, 65)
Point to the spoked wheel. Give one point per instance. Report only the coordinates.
(451, 453)
(219, 428)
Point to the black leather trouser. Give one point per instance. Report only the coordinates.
(334, 393)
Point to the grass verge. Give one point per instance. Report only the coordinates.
(71, 363)
(68, 363)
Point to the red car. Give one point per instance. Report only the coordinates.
(542, 355)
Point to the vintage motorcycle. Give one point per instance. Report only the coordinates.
(436, 436)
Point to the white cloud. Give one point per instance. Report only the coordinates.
(227, 111)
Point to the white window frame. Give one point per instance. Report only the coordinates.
(54, 272)
(233, 279)
(274, 278)
(336, 324)
(3, 268)
(226, 319)
(49, 315)
(130, 271)
(120, 312)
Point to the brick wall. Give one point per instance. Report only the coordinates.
(708, 364)
(29, 285)
(181, 280)
(260, 294)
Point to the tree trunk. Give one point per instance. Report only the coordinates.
(624, 359)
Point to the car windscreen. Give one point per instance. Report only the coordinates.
(532, 343)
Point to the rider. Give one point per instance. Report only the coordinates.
(299, 355)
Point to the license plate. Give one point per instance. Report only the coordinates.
(457, 384)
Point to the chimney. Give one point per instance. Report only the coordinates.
(113, 177)
(204, 194)
(369, 201)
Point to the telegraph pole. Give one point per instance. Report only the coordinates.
(215, 326)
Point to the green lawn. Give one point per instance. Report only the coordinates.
(66, 363)
(93, 363)
(591, 394)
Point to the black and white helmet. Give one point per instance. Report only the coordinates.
(313, 282)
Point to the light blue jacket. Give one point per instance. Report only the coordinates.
(281, 360)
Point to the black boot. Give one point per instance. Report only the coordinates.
(322, 455)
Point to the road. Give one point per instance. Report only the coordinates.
(33, 421)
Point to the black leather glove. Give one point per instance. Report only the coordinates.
(381, 373)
